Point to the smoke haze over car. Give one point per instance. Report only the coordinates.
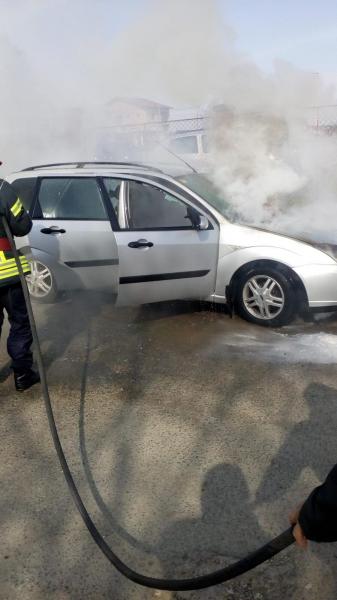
(266, 158)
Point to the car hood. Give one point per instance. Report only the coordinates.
(234, 237)
(327, 247)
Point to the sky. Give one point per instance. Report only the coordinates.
(301, 32)
(44, 30)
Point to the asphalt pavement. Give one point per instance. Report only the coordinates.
(190, 435)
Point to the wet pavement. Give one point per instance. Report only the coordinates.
(190, 436)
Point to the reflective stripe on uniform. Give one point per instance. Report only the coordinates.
(17, 208)
(13, 272)
(8, 266)
(7, 262)
(10, 272)
(11, 267)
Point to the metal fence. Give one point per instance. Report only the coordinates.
(322, 119)
(140, 135)
(171, 127)
(185, 125)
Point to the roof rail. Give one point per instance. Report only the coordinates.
(82, 164)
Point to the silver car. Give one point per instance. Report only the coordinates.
(146, 236)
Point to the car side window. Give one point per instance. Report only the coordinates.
(71, 198)
(149, 207)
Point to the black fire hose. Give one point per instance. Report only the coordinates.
(194, 583)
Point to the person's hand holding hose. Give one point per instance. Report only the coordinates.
(298, 534)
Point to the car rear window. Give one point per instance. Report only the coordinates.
(71, 198)
(25, 189)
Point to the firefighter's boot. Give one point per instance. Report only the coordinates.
(24, 381)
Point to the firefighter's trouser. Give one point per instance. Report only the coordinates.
(20, 335)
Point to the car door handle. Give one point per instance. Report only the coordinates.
(52, 230)
(140, 244)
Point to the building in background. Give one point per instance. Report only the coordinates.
(129, 127)
(135, 111)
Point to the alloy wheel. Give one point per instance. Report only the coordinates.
(40, 280)
(263, 297)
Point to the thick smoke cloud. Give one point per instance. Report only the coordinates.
(61, 62)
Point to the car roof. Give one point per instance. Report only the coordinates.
(101, 168)
(115, 169)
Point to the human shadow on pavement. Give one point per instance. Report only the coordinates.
(311, 443)
(226, 526)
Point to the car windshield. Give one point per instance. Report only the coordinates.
(201, 185)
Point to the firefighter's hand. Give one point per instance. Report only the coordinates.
(298, 534)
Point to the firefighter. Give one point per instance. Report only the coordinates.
(316, 520)
(11, 295)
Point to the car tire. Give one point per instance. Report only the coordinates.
(265, 296)
(41, 283)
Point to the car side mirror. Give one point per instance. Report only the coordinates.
(203, 223)
(198, 221)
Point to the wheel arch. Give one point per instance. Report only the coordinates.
(296, 282)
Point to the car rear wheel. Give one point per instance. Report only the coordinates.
(41, 283)
(265, 296)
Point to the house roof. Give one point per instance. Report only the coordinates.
(142, 102)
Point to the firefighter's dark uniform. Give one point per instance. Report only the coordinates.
(11, 295)
(318, 516)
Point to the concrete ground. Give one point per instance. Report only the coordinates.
(190, 436)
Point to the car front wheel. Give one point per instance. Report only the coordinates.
(41, 283)
(265, 296)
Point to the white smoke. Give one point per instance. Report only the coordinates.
(275, 168)
(62, 62)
